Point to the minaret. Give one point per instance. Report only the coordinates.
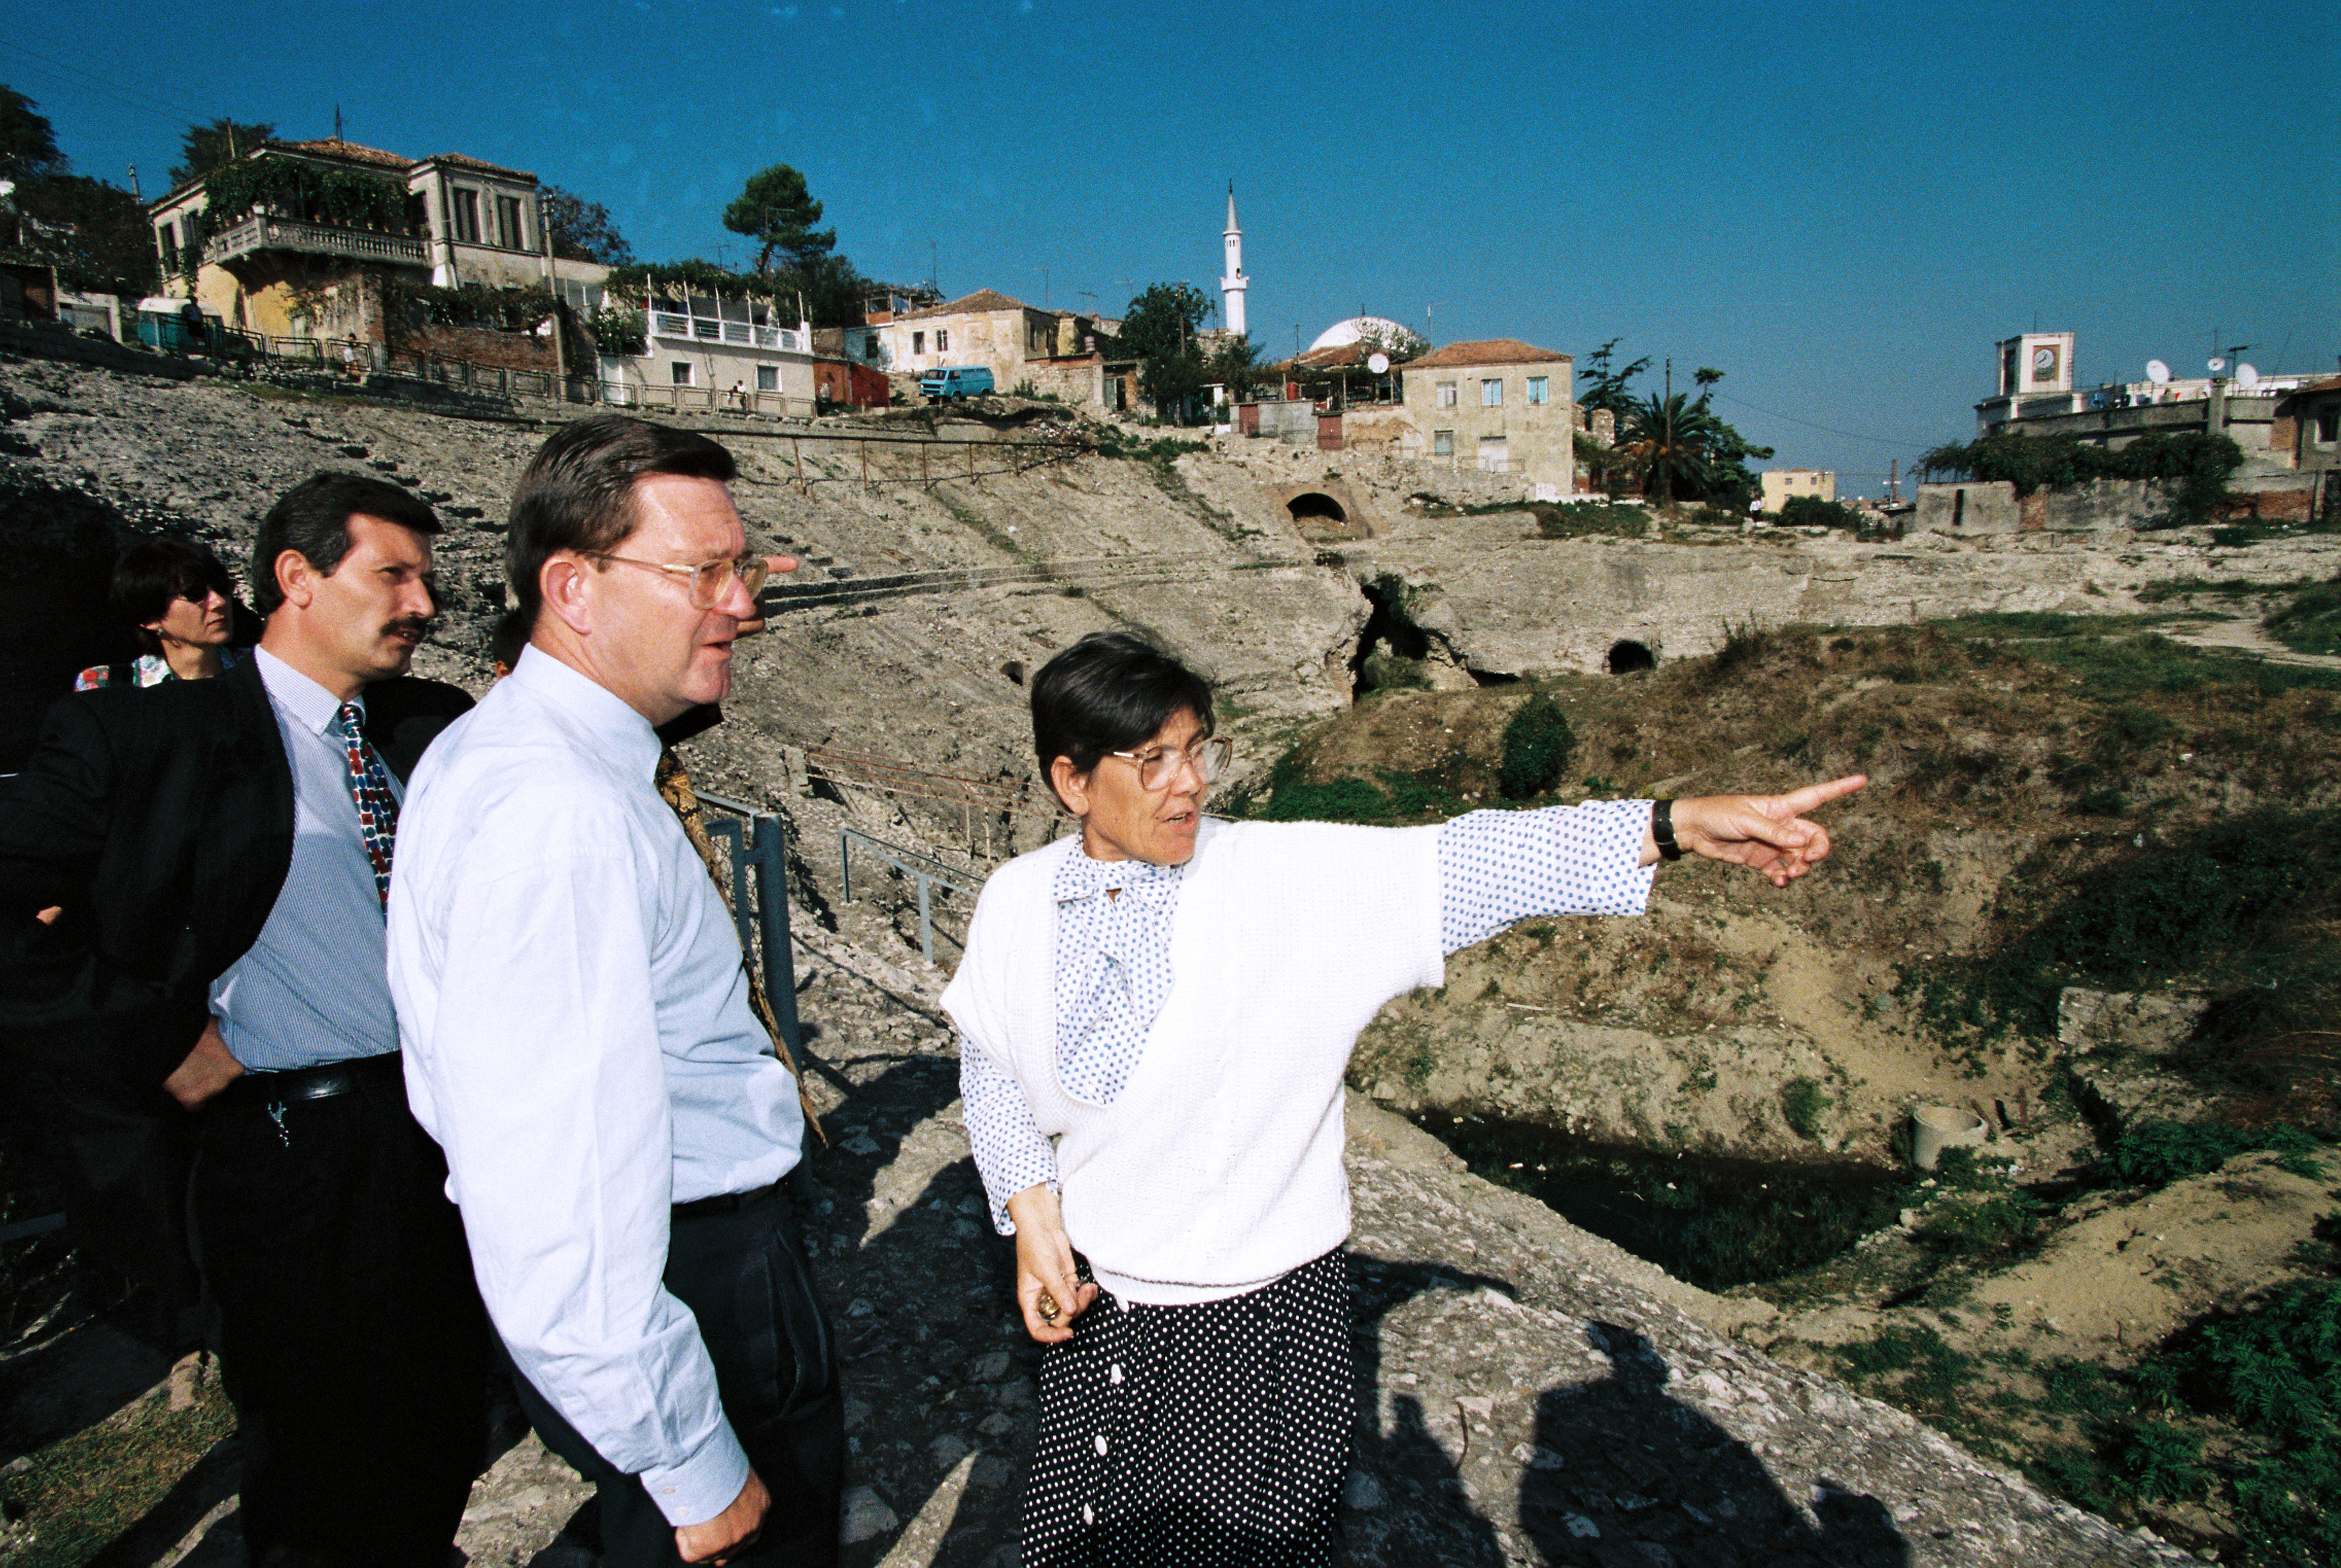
(1232, 286)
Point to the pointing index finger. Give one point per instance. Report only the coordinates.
(1802, 800)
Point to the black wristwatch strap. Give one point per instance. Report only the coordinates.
(1662, 829)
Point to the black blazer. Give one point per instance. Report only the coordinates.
(161, 818)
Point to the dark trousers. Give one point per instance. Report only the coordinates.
(744, 1276)
(123, 1166)
(351, 1339)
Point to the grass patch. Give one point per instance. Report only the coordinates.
(2241, 1410)
(2250, 902)
(2311, 623)
(1803, 1102)
(79, 1494)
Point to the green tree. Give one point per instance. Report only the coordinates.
(1236, 365)
(1401, 345)
(1604, 384)
(1158, 332)
(1684, 450)
(95, 234)
(203, 148)
(28, 143)
(779, 213)
(583, 231)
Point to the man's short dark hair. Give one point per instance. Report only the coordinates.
(312, 521)
(1108, 692)
(150, 573)
(506, 642)
(578, 493)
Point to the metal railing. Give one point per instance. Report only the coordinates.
(926, 872)
(758, 843)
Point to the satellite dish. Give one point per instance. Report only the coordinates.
(2218, 365)
(2247, 375)
(2158, 372)
(1379, 363)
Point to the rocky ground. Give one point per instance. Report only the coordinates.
(1528, 1393)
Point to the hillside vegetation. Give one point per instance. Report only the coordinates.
(2055, 802)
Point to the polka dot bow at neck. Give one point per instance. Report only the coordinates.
(370, 788)
(1114, 967)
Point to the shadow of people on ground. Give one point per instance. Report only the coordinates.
(1406, 1500)
(1618, 1467)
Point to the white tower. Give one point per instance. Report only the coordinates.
(1232, 286)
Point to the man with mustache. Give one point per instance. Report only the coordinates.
(220, 850)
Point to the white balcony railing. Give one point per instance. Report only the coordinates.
(710, 330)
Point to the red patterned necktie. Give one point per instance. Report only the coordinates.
(370, 787)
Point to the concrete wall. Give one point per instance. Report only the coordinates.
(1080, 381)
(1985, 507)
(648, 379)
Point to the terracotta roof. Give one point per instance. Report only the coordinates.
(1489, 351)
(970, 304)
(326, 147)
(461, 162)
(2322, 385)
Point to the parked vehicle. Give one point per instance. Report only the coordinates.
(947, 383)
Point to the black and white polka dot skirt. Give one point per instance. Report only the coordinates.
(1197, 1436)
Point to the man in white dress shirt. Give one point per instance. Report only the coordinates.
(579, 1035)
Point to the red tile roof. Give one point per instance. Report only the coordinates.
(327, 147)
(980, 300)
(1489, 351)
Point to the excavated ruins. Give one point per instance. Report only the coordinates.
(1529, 1393)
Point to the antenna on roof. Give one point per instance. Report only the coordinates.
(337, 121)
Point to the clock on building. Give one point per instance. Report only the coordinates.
(2044, 366)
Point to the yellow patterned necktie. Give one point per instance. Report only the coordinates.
(673, 782)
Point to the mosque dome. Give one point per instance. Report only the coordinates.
(1357, 329)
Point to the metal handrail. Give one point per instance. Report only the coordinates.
(924, 869)
(758, 840)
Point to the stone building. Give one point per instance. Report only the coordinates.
(313, 219)
(1501, 406)
(1058, 352)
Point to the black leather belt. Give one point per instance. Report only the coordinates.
(319, 1083)
(724, 1202)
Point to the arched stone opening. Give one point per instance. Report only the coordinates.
(1315, 506)
(1390, 633)
(1627, 656)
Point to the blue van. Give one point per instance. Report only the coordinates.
(945, 383)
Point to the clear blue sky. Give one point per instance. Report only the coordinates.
(1842, 206)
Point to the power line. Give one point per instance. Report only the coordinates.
(137, 99)
(1810, 424)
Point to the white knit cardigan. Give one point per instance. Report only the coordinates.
(1218, 1168)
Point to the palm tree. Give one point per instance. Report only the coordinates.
(1673, 441)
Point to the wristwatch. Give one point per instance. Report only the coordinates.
(1662, 829)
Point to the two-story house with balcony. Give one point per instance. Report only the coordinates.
(279, 241)
(710, 348)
